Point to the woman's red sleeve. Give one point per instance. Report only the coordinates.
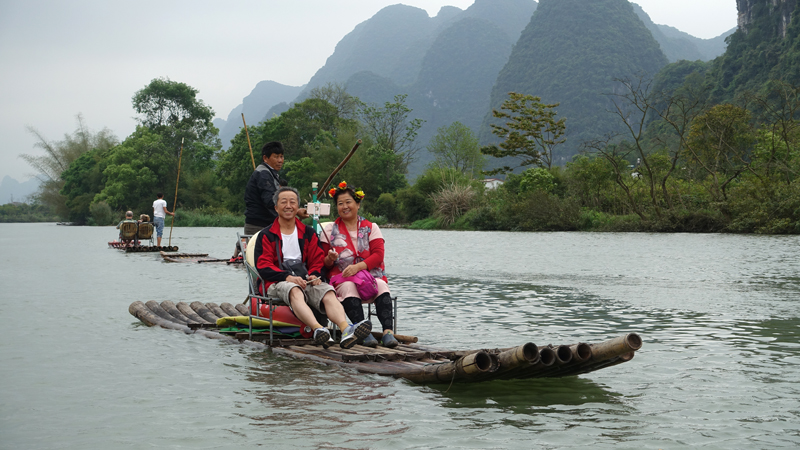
(376, 252)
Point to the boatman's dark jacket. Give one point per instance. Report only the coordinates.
(269, 252)
(259, 207)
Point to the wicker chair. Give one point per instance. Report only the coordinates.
(127, 233)
(145, 232)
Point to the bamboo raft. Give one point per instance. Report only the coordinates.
(129, 247)
(194, 258)
(409, 360)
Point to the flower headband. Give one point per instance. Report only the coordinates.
(342, 186)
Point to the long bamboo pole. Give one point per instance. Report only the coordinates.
(175, 203)
(339, 167)
(247, 133)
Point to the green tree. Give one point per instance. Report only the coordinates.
(169, 104)
(537, 179)
(137, 169)
(456, 146)
(82, 181)
(58, 157)
(235, 164)
(531, 132)
(336, 94)
(172, 110)
(719, 144)
(389, 127)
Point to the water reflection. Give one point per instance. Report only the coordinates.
(526, 396)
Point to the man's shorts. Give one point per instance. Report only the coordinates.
(313, 294)
(159, 223)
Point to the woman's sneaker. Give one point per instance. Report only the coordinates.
(321, 336)
(370, 341)
(388, 340)
(353, 333)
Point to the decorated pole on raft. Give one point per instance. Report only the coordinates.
(175, 203)
(315, 201)
(246, 133)
(340, 166)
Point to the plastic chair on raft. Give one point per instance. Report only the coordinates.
(261, 305)
(127, 234)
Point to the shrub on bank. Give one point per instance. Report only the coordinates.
(207, 217)
(102, 214)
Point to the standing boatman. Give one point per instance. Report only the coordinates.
(261, 187)
(159, 214)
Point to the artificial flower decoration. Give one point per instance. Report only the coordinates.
(359, 194)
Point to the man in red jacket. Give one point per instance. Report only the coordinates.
(289, 259)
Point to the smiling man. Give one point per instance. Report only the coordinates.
(289, 259)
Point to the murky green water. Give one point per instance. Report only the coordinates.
(719, 316)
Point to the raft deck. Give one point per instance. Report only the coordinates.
(130, 247)
(194, 258)
(409, 360)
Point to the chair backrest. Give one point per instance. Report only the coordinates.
(127, 230)
(145, 230)
(250, 252)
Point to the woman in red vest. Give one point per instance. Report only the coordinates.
(354, 244)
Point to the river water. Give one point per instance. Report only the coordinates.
(719, 368)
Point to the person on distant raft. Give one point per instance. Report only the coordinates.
(261, 187)
(289, 259)
(128, 219)
(159, 214)
(354, 258)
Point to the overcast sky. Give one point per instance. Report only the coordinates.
(61, 58)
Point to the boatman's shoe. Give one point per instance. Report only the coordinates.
(370, 341)
(321, 336)
(353, 333)
(388, 340)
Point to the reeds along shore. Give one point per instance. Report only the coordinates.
(410, 360)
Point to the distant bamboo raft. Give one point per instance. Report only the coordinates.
(410, 360)
(194, 258)
(130, 247)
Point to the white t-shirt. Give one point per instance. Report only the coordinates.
(158, 208)
(291, 247)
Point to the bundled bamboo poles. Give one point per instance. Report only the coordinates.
(414, 362)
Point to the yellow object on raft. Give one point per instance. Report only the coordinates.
(257, 323)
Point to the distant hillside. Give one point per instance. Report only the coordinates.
(678, 45)
(570, 53)
(765, 47)
(454, 75)
(709, 48)
(12, 190)
(393, 43)
(264, 96)
(456, 79)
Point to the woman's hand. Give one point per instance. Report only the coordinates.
(330, 258)
(353, 269)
